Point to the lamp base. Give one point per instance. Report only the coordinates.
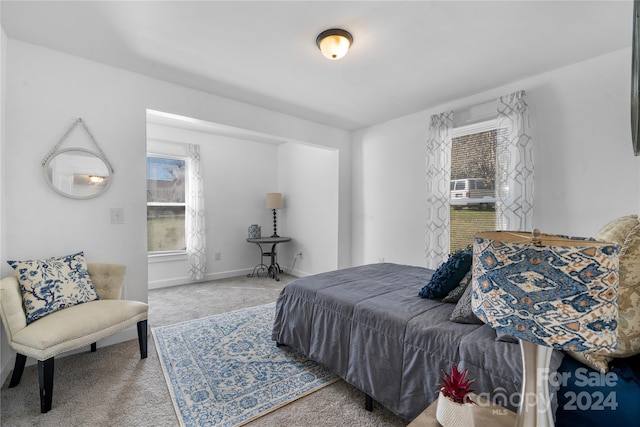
(275, 224)
(535, 407)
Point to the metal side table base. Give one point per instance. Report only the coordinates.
(260, 268)
(273, 269)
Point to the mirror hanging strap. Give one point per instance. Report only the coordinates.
(75, 124)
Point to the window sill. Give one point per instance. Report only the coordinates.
(167, 257)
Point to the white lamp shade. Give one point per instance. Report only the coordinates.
(274, 201)
(558, 292)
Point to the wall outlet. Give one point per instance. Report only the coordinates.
(217, 256)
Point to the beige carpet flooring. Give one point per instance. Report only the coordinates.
(113, 387)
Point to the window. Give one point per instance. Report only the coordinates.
(166, 206)
(473, 170)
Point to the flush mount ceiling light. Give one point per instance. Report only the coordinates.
(334, 43)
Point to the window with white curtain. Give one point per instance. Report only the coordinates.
(514, 175)
(166, 204)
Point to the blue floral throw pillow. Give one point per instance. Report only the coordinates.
(52, 284)
(448, 275)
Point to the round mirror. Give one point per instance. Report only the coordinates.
(77, 173)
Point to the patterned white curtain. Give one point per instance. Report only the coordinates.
(514, 165)
(196, 244)
(438, 178)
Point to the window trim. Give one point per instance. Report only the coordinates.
(479, 127)
(166, 256)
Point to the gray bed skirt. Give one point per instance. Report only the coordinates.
(368, 325)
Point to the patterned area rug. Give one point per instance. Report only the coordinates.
(225, 370)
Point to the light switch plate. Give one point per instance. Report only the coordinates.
(117, 216)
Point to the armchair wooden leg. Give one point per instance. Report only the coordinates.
(93, 347)
(45, 375)
(18, 369)
(142, 338)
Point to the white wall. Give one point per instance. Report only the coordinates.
(5, 352)
(308, 178)
(3, 109)
(585, 171)
(46, 90)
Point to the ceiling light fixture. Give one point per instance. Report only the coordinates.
(334, 43)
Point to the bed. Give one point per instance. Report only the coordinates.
(368, 325)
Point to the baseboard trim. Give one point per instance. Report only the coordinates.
(228, 274)
(299, 273)
(158, 284)
(166, 283)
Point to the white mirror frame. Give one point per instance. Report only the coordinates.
(48, 175)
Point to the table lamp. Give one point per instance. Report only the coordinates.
(274, 202)
(549, 292)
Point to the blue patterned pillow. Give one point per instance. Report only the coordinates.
(52, 284)
(448, 275)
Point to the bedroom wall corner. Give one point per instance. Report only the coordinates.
(388, 200)
(309, 180)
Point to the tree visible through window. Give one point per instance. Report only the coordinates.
(473, 170)
(166, 205)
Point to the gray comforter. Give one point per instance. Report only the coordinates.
(368, 325)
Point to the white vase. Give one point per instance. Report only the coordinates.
(452, 414)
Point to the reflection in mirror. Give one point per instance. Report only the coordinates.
(77, 173)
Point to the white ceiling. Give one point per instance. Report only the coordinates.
(406, 56)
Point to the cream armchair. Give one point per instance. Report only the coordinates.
(71, 328)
